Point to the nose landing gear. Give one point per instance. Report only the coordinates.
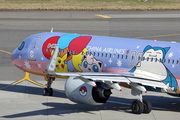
(49, 91)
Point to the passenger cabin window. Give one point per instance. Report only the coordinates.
(121, 56)
(156, 59)
(151, 59)
(74, 52)
(97, 54)
(132, 57)
(168, 60)
(143, 58)
(110, 55)
(147, 58)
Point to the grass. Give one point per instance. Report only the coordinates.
(89, 5)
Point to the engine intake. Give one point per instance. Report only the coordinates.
(100, 94)
(78, 91)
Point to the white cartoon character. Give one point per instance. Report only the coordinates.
(152, 64)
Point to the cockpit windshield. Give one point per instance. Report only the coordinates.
(21, 46)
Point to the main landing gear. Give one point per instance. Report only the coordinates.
(139, 106)
(49, 91)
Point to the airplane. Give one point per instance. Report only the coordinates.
(94, 65)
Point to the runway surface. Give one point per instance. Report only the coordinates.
(25, 100)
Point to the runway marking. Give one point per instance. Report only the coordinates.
(117, 25)
(103, 16)
(156, 36)
(26, 77)
(5, 51)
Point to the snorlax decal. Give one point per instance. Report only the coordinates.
(153, 62)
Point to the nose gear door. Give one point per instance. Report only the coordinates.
(33, 48)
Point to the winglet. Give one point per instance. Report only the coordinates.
(52, 64)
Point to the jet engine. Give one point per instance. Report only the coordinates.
(80, 92)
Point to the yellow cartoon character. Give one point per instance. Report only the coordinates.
(61, 66)
(77, 59)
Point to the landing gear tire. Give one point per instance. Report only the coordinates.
(147, 106)
(45, 91)
(137, 107)
(48, 92)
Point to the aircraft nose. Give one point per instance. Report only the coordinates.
(14, 57)
(17, 53)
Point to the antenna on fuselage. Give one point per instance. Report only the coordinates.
(52, 30)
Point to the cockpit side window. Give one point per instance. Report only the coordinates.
(21, 46)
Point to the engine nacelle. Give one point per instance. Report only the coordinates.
(78, 91)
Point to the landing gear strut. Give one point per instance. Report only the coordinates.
(49, 91)
(139, 106)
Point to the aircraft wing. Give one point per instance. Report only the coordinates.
(127, 77)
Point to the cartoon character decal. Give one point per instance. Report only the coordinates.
(90, 64)
(61, 66)
(152, 63)
(69, 53)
